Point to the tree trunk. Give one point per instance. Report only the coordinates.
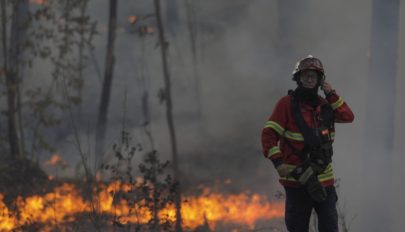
(107, 83)
(12, 62)
(379, 130)
(192, 30)
(11, 91)
(169, 115)
(81, 46)
(172, 15)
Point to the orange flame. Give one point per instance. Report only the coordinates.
(65, 203)
(39, 2)
(55, 160)
(7, 220)
(236, 208)
(132, 19)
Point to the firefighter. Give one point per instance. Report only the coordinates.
(298, 139)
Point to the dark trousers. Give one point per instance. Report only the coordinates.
(299, 206)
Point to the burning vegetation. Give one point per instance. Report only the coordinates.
(109, 196)
(64, 207)
(139, 203)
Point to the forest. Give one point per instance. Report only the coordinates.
(134, 115)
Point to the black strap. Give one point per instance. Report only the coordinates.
(311, 135)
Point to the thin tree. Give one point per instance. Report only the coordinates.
(11, 119)
(192, 31)
(11, 64)
(19, 52)
(379, 130)
(21, 21)
(145, 96)
(169, 112)
(172, 15)
(108, 77)
(82, 44)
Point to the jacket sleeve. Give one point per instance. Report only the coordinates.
(342, 112)
(272, 132)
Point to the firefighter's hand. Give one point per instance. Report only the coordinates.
(326, 87)
(282, 170)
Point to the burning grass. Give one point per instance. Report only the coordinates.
(62, 208)
(123, 202)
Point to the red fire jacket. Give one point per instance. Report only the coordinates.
(281, 127)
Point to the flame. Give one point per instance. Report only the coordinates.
(148, 30)
(237, 209)
(7, 220)
(55, 160)
(132, 19)
(38, 2)
(65, 203)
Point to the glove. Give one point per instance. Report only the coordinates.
(283, 170)
(303, 173)
(320, 158)
(306, 175)
(318, 166)
(315, 189)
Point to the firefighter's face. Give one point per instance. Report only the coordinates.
(309, 78)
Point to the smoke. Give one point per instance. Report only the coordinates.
(242, 75)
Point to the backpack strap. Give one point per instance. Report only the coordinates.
(317, 145)
(312, 137)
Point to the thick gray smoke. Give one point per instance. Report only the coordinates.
(242, 74)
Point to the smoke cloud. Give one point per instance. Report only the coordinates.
(242, 74)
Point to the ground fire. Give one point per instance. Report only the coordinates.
(65, 204)
(39, 2)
